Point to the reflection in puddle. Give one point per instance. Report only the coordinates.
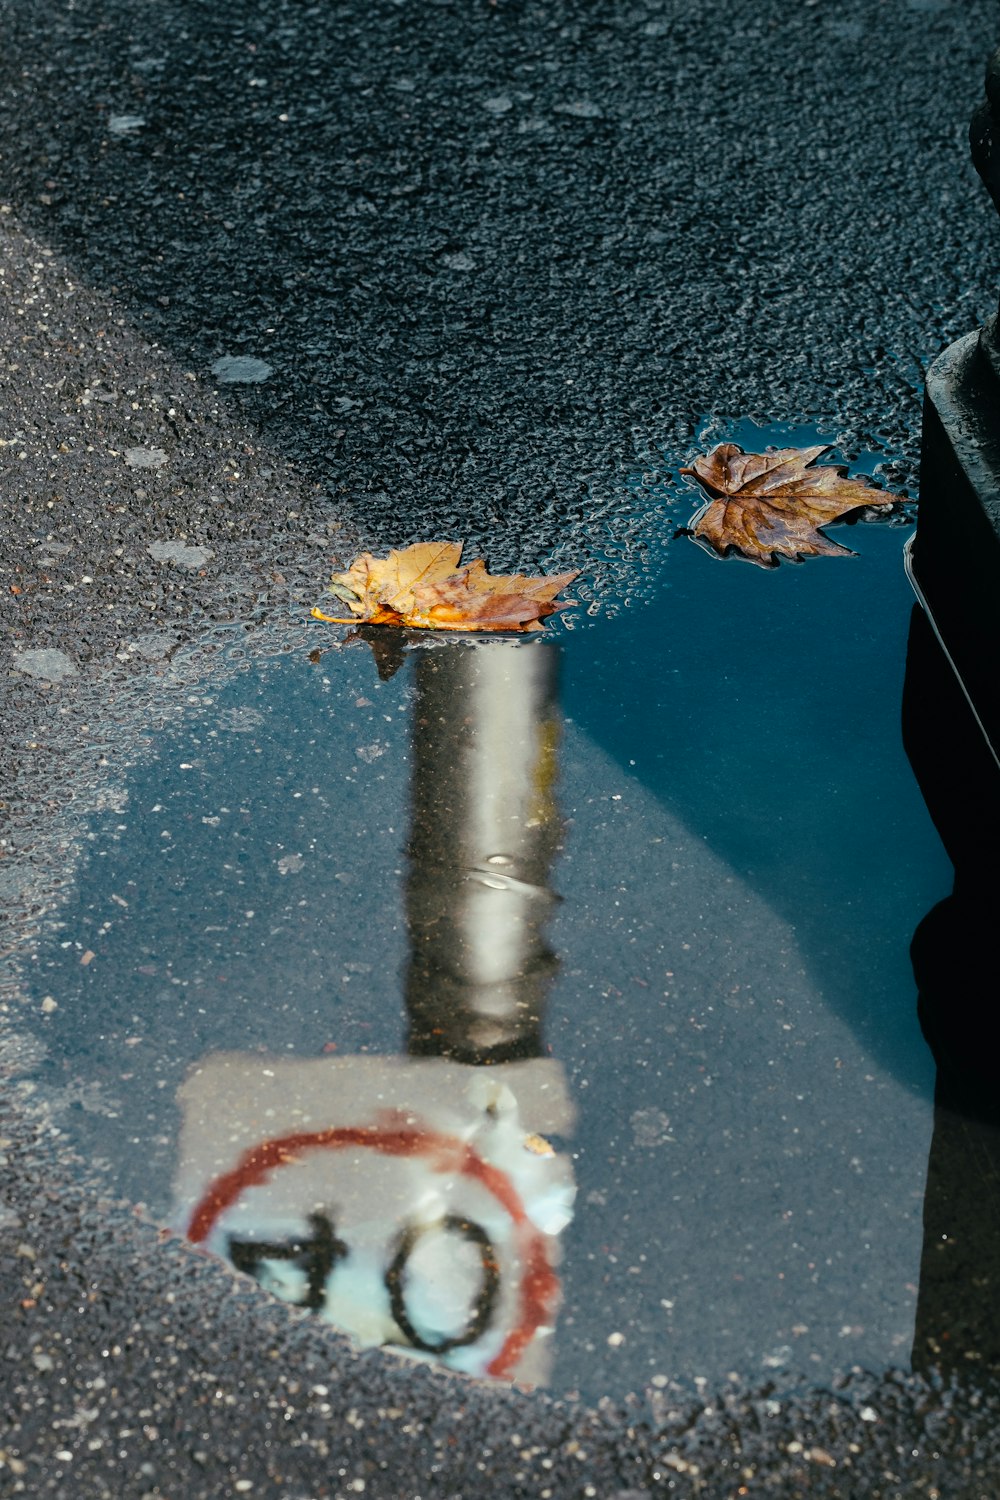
(315, 1000)
(484, 834)
(419, 1202)
(954, 962)
(404, 1201)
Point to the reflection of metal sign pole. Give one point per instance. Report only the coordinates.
(484, 832)
(417, 1201)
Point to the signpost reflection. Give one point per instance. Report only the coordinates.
(417, 1201)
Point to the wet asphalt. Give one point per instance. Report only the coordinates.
(496, 264)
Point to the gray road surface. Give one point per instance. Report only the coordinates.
(493, 267)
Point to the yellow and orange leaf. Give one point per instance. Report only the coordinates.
(770, 505)
(425, 587)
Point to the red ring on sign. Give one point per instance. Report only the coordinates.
(443, 1153)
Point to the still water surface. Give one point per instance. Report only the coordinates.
(543, 1006)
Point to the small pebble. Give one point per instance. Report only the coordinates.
(145, 458)
(241, 369)
(180, 553)
(49, 665)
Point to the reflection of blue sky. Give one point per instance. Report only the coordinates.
(763, 709)
(750, 1175)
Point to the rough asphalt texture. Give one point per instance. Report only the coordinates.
(501, 261)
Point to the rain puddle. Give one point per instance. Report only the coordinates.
(542, 1006)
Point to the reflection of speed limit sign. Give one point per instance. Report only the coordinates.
(433, 1226)
(481, 1313)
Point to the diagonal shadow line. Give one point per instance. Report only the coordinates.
(444, 297)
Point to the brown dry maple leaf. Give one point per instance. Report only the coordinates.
(767, 505)
(424, 586)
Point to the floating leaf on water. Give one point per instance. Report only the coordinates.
(424, 586)
(770, 505)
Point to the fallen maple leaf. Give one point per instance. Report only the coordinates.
(424, 586)
(766, 505)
